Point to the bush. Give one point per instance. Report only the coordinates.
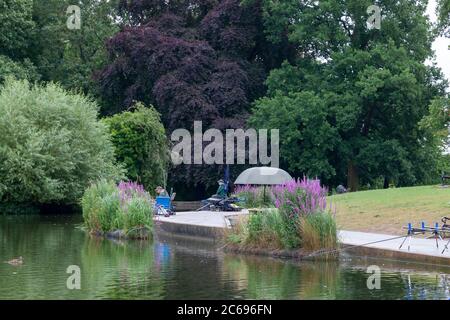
(141, 145)
(109, 208)
(51, 145)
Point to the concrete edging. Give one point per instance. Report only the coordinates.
(396, 255)
(213, 225)
(190, 229)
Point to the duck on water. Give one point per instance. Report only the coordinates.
(15, 262)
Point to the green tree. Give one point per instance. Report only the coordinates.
(437, 125)
(307, 137)
(16, 27)
(443, 11)
(51, 145)
(373, 84)
(24, 70)
(16, 32)
(67, 56)
(141, 144)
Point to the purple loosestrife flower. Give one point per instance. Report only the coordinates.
(130, 190)
(300, 197)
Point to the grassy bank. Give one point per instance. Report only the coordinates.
(387, 210)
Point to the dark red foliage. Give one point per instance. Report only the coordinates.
(203, 72)
(232, 28)
(193, 60)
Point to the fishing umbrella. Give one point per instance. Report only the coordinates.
(263, 176)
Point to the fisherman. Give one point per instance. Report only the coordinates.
(221, 191)
(161, 192)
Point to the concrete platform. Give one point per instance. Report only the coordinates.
(211, 224)
(423, 250)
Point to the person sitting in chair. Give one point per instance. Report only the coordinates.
(161, 192)
(221, 191)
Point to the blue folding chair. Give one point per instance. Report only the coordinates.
(163, 205)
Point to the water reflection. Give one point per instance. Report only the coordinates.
(116, 270)
(183, 268)
(265, 278)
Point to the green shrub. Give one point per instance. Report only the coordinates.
(141, 145)
(108, 208)
(51, 145)
(140, 212)
(290, 234)
(295, 200)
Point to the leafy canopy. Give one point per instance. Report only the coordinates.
(367, 89)
(141, 145)
(67, 56)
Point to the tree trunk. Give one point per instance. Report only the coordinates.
(352, 177)
(386, 183)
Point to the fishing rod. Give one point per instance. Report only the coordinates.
(314, 254)
(436, 232)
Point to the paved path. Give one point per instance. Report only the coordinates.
(201, 218)
(419, 247)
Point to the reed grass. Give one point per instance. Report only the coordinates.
(318, 232)
(108, 207)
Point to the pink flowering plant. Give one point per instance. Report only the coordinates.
(300, 218)
(297, 199)
(300, 197)
(129, 191)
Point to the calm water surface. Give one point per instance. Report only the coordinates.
(178, 268)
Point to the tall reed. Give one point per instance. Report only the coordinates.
(108, 207)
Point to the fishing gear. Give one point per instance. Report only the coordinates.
(436, 232)
(318, 253)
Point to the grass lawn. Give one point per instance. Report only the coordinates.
(388, 210)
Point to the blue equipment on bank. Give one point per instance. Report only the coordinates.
(164, 205)
(164, 202)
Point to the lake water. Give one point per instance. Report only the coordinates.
(172, 267)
